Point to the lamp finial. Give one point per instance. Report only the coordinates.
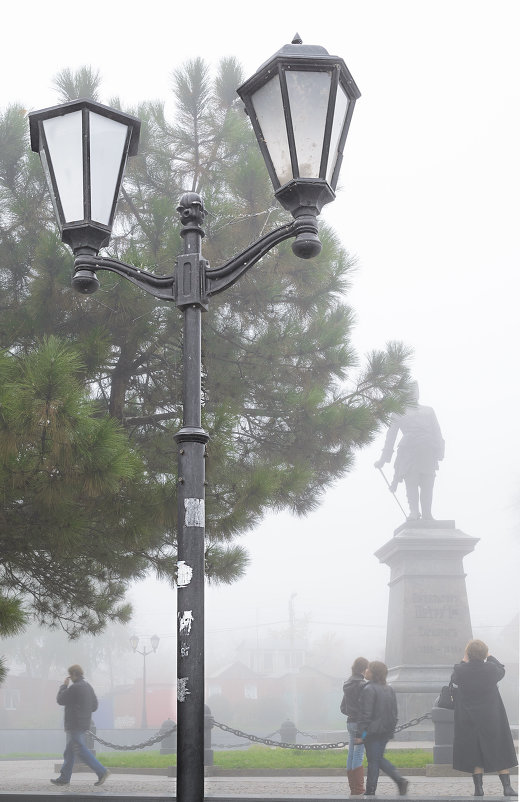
(297, 40)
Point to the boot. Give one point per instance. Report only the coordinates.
(357, 787)
(506, 785)
(477, 779)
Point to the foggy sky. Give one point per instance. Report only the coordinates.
(429, 205)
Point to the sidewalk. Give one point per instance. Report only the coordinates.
(31, 778)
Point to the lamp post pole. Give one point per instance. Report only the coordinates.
(134, 641)
(191, 442)
(144, 722)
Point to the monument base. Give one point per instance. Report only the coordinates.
(416, 689)
(428, 615)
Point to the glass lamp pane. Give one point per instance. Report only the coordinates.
(107, 144)
(340, 112)
(64, 140)
(268, 105)
(308, 98)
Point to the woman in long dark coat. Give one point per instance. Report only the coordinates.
(482, 740)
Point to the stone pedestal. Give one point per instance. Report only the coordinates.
(443, 743)
(428, 614)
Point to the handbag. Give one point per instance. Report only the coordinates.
(446, 698)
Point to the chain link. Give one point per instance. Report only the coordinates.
(413, 722)
(282, 744)
(308, 735)
(126, 748)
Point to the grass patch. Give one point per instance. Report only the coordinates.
(261, 757)
(255, 757)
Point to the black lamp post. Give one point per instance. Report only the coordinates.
(134, 643)
(300, 103)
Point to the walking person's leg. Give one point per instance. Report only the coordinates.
(506, 783)
(68, 763)
(478, 776)
(374, 754)
(87, 757)
(351, 729)
(356, 751)
(392, 772)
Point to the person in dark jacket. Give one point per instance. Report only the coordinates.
(376, 725)
(350, 707)
(80, 702)
(482, 738)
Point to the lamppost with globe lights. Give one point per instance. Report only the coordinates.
(134, 643)
(300, 103)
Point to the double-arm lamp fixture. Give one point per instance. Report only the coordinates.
(300, 103)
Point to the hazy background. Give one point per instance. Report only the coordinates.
(429, 205)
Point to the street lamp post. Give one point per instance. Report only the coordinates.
(300, 103)
(134, 643)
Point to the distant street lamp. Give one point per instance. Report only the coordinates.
(300, 103)
(134, 643)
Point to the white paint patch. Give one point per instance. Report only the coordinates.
(182, 689)
(185, 650)
(184, 574)
(194, 513)
(185, 622)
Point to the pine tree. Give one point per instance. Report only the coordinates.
(287, 401)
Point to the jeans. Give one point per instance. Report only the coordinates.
(76, 745)
(355, 751)
(375, 747)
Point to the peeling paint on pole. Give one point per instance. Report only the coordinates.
(194, 513)
(185, 622)
(182, 689)
(184, 574)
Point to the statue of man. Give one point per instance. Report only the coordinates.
(418, 453)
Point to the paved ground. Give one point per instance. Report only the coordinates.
(33, 778)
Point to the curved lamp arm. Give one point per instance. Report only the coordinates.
(85, 281)
(305, 229)
(215, 279)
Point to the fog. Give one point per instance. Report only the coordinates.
(429, 205)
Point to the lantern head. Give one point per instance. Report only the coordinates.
(300, 103)
(83, 147)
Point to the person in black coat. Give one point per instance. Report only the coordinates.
(79, 701)
(482, 738)
(378, 718)
(350, 707)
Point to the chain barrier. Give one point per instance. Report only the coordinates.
(413, 722)
(248, 738)
(243, 743)
(129, 748)
(269, 742)
(338, 745)
(308, 735)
